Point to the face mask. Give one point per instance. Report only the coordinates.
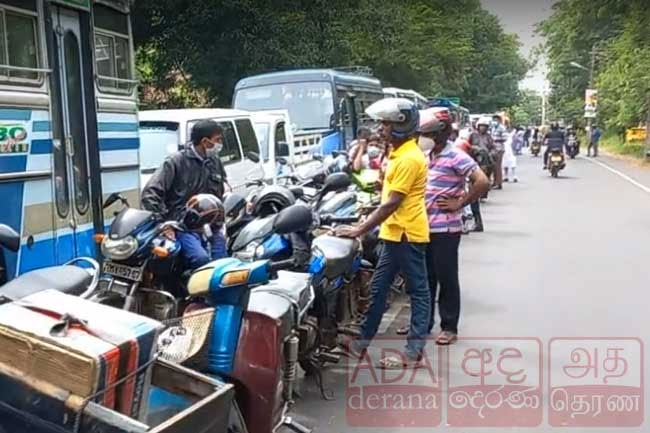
(426, 143)
(213, 151)
(373, 152)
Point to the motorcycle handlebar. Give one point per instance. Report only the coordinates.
(333, 219)
(281, 265)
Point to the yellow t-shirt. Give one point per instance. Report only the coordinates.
(406, 174)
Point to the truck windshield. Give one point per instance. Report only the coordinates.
(310, 104)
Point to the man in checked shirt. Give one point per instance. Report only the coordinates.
(445, 198)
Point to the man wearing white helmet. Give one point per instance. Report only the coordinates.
(404, 230)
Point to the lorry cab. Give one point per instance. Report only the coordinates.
(275, 137)
(163, 132)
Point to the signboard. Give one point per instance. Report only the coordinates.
(77, 4)
(591, 103)
(13, 139)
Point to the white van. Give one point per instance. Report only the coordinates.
(163, 132)
(273, 130)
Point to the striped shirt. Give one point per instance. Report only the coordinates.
(446, 179)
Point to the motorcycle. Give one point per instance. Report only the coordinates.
(556, 162)
(257, 330)
(78, 277)
(139, 271)
(535, 148)
(572, 147)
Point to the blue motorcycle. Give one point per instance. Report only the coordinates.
(139, 271)
(254, 330)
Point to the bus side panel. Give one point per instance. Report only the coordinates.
(119, 146)
(25, 147)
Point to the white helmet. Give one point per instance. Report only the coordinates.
(484, 120)
(399, 111)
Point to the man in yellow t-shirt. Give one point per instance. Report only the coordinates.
(404, 230)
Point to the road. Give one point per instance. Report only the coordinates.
(560, 258)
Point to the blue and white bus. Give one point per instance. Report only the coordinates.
(68, 124)
(326, 106)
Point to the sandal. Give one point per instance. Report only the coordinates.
(446, 338)
(403, 330)
(395, 363)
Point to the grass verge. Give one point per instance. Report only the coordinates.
(617, 146)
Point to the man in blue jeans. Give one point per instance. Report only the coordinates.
(404, 231)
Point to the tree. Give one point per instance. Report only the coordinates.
(433, 46)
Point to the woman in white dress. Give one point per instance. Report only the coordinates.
(509, 158)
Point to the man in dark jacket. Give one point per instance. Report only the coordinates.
(196, 169)
(554, 140)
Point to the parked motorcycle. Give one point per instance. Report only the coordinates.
(257, 331)
(77, 277)
(556, 162)
(139, 271)
(535, 147)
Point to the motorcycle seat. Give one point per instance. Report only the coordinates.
(294, 285)
(339, 254)
(68, 279)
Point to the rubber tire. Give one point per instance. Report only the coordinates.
(236, 423)
(308, 367)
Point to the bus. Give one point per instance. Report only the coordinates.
(459, 114)
(412, 95)
(326, 106)
(68, 124)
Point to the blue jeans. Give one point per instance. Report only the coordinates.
(194, 251)
(410, 259)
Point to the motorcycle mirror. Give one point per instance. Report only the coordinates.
(336, 182)
(318, 157)
(253, 156)
(9, 239)
(282, 160)
(295, 218)
(111, 199)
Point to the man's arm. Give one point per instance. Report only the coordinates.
(154, 193)
(479, 185)
(380, 215)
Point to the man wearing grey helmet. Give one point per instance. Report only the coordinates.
(404, 231)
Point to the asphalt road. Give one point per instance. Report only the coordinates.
(555, 307)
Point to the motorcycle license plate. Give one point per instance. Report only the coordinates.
(122, 271)
(556, 159)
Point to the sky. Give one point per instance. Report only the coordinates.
(520, 17)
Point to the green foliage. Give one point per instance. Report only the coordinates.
(619, 30)
(433, 46)
(528, 110)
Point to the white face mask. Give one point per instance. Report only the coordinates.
(426, 143)
(213, 152)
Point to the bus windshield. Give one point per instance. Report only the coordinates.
(310, 104)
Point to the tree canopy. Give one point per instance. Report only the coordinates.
(619, 33)
(193, 52)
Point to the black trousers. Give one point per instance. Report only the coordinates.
(442, 270)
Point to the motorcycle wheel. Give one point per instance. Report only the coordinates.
(554, 172)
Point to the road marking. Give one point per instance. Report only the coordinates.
(618, 173)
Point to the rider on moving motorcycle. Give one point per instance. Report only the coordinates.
(554, 140)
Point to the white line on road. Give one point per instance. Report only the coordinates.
(618, 173)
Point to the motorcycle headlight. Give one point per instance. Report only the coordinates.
(119, 249)
(259, 252)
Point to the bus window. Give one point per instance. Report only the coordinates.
(247, 136)
(112, 50)
(310, 104)
(18, 45)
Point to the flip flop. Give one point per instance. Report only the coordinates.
(446, 338)
(394, 363)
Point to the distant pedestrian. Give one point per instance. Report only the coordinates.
(510, 157)
(594, 140)
(499, 136)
